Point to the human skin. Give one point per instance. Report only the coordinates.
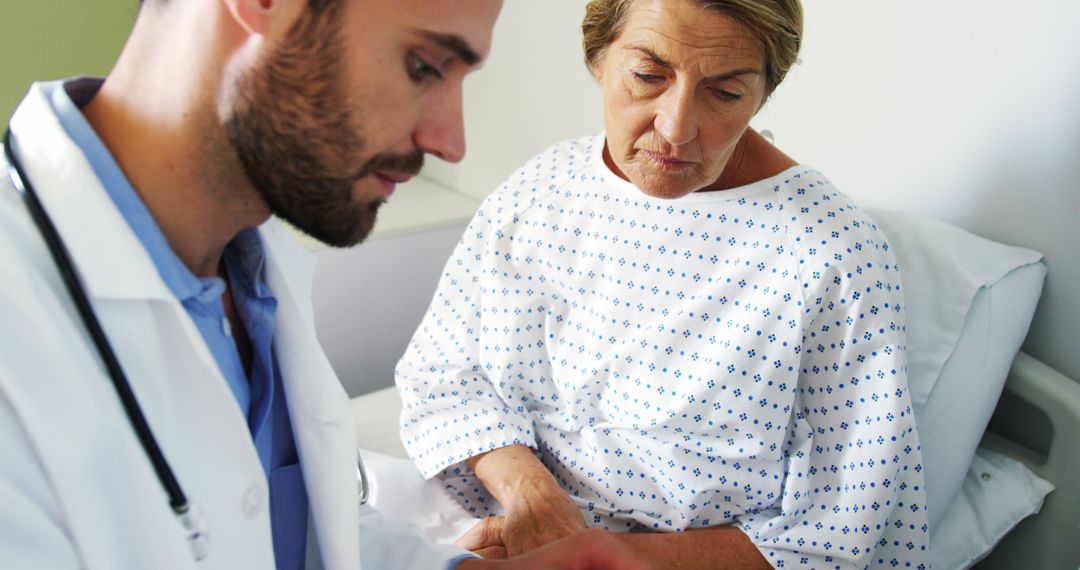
(680, 86)
(587, 550)
(163, 110)
(539, 511)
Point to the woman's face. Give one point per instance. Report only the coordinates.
(680, 85)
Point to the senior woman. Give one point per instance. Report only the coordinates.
(673, 326)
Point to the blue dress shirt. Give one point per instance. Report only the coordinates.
(260, 397)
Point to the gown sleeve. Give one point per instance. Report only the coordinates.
(853, 490)
(451, 407)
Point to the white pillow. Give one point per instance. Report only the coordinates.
(968, 302)
(997, 494)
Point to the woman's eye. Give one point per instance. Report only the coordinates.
(647, 77)
(420, 69)
(727, 95)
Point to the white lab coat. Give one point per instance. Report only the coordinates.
(76, 489)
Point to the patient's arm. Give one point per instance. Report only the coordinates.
(708, 548)
(590, 550)
(538, 510)
(715, 548)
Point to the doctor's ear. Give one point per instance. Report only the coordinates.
(271, 18)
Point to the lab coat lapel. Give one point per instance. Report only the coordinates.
(109, 256)
(112, 263)
(318, 406)
(173, 382)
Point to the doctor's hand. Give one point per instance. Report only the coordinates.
(593, 549)
(538, 510)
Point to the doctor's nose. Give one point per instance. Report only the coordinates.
(441, 129)
(676, 117)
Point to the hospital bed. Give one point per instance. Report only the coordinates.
(1000, 430)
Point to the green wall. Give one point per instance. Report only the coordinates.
(52, 39)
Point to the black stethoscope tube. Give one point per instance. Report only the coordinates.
(177, 499)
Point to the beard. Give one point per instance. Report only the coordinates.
(298, 140)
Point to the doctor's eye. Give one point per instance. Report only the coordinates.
(419, 69)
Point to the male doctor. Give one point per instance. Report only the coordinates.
(161, 180)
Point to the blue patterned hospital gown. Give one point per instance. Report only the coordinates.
(733, 357)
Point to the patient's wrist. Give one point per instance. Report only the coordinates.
(515, 476)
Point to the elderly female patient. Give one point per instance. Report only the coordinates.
(673, 326)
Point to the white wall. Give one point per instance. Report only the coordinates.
(532, 92)
(368, 301)
(966, 110)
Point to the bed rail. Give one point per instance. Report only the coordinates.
(1035, 396)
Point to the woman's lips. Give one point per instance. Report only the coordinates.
(666, 160)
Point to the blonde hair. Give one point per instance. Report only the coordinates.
(777, 24)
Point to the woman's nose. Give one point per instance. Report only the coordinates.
(676, 116)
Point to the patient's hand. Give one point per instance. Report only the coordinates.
(590, 550)
(538, 511)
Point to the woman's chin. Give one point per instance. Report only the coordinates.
(661, 187)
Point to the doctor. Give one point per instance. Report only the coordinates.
(161, 181)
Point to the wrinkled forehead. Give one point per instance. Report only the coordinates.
(683, 33)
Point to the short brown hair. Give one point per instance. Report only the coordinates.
(777, 24)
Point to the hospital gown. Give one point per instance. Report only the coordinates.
(732, 357)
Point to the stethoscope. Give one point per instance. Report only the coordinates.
(189, 514)
(190, 518)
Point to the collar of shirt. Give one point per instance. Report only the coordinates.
(67, 101)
